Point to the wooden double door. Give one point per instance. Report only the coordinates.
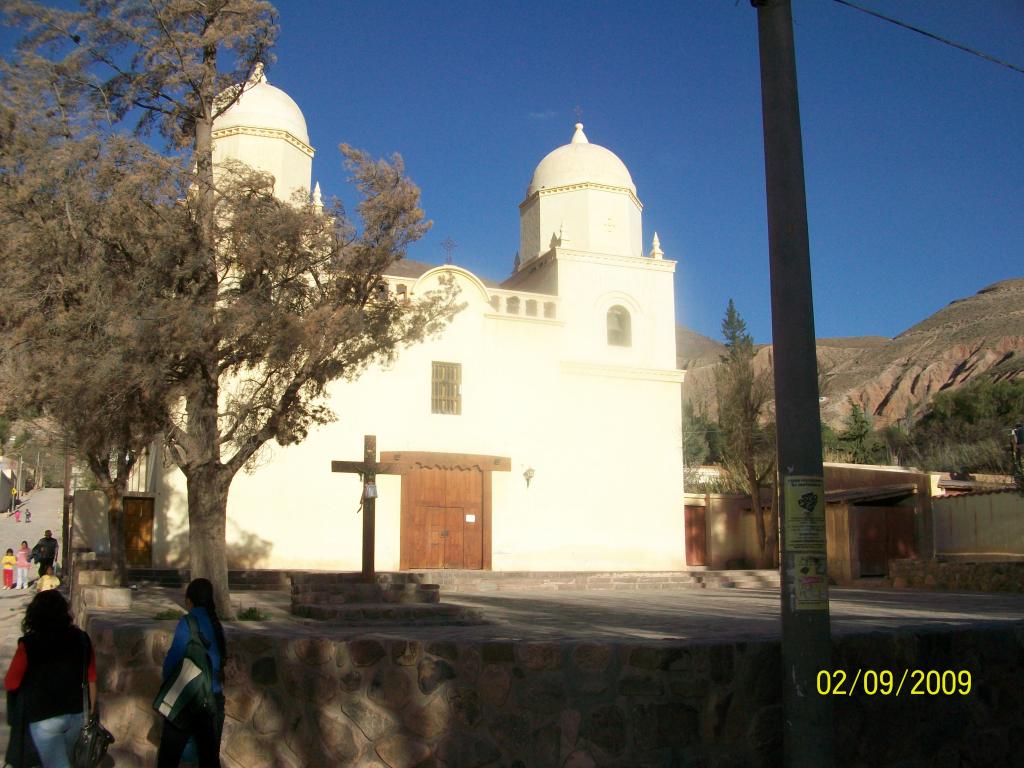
(443, 518)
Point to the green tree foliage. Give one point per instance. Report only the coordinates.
(696, 432)
(968, 429)
(747, 433)
(259, 304)
(701, 445)
(1017, 449)
(858, 439)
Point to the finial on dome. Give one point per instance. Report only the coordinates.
(257, 75)
(318, 200)
(656, 252)
(579, 137)
(516, 263)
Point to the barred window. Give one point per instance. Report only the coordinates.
(446, 388)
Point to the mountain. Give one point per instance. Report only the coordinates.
(981, 335)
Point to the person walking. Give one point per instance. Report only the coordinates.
(45, 552)
(47, 581)
(204, 728)
(21, 565)
(46, 672)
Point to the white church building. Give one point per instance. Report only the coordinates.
(541, 431)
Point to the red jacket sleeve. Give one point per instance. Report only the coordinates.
(16, 672)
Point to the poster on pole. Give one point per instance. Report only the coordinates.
(804, 514)
(804, 530)
(810, 583)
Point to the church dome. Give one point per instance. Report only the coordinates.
(262, 105)
(579, 162)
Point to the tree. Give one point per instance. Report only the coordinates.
(967, 430)
(269, 301)
(1017, 452)
(695, 436)
(858, 438)
(80, 215)
(747, 434)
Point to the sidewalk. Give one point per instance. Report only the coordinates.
(45, 505)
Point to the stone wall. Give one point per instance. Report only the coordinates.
(958, 575)
(376, 703)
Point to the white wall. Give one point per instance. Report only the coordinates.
(290, 164)
(604, 442)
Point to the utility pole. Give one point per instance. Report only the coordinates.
(806, 635)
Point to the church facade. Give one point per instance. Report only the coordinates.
(540, 431)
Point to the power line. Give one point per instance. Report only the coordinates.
(920, 31)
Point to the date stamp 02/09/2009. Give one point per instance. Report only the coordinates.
(886, 682)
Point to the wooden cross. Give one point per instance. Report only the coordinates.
(368, 469)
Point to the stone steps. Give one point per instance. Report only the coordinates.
(383, 614)
(400, 584)
(739, 579)
(237, 579)
(346, 598)
(370, 593)
(526, 581)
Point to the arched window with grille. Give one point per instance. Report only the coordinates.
(620, 331)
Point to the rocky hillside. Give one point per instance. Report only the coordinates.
(982, 335)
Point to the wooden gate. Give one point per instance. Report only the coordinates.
(138, 531)
(442, 518)
(883, 534)
(694, 518)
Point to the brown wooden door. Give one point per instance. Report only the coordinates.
(871, 540)
(138, 532)
(899, 524)
(696, 535)
(884, 533)
(441, 518)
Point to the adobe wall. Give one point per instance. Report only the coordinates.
(731, 531)
(989, 523)
(376, 703)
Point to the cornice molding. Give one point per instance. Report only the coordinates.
(267, 133)
(669, 376)
(646, 262)
(524, 318)
(583, 185)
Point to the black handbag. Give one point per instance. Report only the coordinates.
(93, 741)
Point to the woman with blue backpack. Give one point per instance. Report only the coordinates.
(192, 696)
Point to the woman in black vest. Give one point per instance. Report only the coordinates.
(47, 673)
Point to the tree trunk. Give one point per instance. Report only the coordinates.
(207, 480)
(207, 529)
(755, 505)
(114, 492)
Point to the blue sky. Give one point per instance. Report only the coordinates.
(913, 150)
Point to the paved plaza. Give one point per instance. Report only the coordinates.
(698, 615)
(678, 614)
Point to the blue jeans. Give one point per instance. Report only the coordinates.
(55, 737)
